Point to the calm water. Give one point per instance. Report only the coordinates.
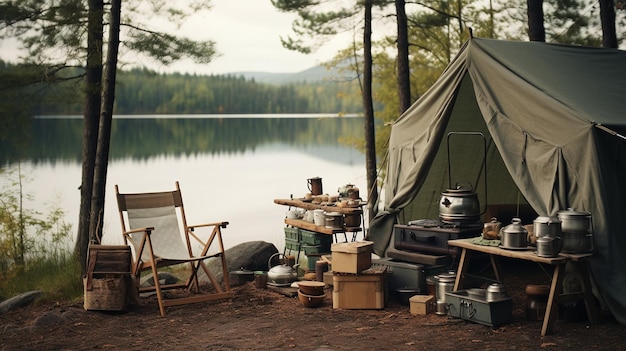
(229, 168)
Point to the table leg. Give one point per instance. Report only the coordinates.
(549, 319)
(582, 268)
(460, 274)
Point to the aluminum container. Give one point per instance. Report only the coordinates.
(492, 313)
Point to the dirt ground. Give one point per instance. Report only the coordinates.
(261, 319)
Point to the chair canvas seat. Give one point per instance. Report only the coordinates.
(155, 227)
(164, 220)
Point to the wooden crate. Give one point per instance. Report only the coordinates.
(359, 291)
(421, 304)
(105, 294)
(109, 259)
(353, 257)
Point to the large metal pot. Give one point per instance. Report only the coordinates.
(459, 205)
(514, 235)
(547, 226)
(573, 221)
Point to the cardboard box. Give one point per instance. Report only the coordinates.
(353, 257)
(359, 291)
(422, 304)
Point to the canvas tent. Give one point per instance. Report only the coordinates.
(554, 121)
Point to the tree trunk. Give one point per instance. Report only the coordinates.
(368, 106)
(404, 79)
(106, 118)
(536, 30)
(93, 85)
(607, 18)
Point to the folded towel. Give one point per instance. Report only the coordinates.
(484, 242)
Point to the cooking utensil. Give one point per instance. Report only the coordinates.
(548, 246)
(311, 301)
(496, 292)
(547, 226)
(460, 203)
(514, 235)
(240, 276)
(573, 221)
(281, 274)
(313, 288)
(445, 283)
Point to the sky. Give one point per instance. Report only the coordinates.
(247, 35)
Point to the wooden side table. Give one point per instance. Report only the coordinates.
(579, 261)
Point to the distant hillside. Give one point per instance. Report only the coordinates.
(311, 75)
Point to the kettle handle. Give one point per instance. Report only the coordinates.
(269, 261)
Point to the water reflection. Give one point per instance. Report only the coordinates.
(142, 138)
(229, 168)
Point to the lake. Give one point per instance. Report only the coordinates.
(230, 168)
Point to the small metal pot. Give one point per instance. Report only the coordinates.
(495, 292)
(575, 221)
(548, 246)
(547, 226)
(514, 235)
(240, 276)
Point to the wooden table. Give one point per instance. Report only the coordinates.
(307, 205)
(579, 261)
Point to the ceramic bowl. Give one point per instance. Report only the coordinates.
(313, 288)
(311, 301)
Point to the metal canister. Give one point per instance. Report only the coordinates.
(445, 283)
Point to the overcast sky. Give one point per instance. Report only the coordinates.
(247, 34)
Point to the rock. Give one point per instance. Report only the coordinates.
(20, 300)
(251, 255)
(164, 278)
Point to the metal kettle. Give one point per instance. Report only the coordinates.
(281, 274)
(548, 246)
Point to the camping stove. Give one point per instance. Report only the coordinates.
(431, 236)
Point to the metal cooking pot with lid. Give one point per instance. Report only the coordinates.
(547, 226)
(573, 221)
(514, 235)
(459, 205)
(548, 246)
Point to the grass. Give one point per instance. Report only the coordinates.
(58, 277)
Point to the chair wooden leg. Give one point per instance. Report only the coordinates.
(157, 287)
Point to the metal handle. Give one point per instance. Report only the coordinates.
(483, 166)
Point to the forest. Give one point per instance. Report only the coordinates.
(143, 91)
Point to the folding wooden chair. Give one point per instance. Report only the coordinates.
(150, 223)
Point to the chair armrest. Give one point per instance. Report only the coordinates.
(146, 230)
(221, 224)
